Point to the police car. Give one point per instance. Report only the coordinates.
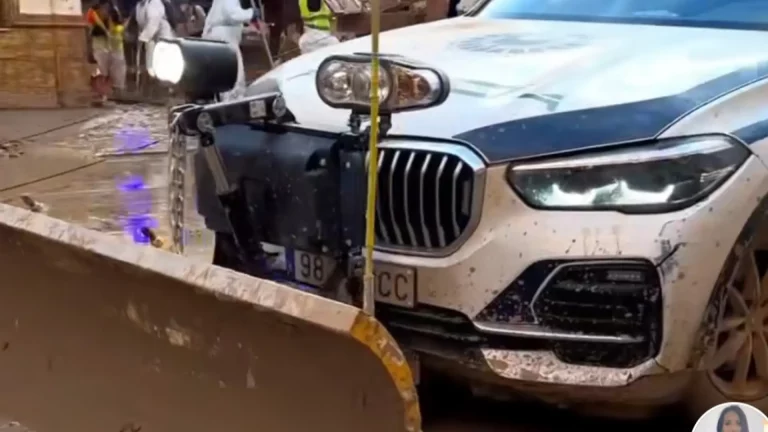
(580, 217)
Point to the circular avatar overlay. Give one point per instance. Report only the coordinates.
(732, 417)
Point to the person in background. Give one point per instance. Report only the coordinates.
(285, 25)
(732, 419)
(461, 7)
(175, 16)
(105, 31)
(225, 23)
(318, 26)
(194, 18)
(453, 8)
(153, 25)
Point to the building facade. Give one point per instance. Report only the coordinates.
(43, 54)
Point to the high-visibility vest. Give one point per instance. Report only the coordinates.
(320, 20)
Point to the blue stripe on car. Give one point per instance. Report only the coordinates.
(594, 127)
(752, 133)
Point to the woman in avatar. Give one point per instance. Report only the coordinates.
(732, 419)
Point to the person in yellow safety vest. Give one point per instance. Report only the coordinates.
(106, 34)
(318, 26)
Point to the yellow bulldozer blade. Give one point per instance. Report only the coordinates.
(98, 334)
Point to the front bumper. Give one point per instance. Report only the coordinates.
(687, 248)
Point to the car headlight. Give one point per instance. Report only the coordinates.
(198, 67)
(344, 81)
(665, 176)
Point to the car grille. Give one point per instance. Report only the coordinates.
(602, 298)
(426, 198)
(609, 298)
(599, 299)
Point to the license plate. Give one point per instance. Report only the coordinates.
(258, 109)
(393, 284)
(192, 142)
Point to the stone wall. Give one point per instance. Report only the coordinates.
(9, 10)
(43, 61)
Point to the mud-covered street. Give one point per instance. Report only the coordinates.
(107, 170)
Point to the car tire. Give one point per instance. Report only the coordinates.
(734, 367)
(439, 396)
(703, 395)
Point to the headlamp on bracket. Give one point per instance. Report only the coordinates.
(200, 68)
(344, 81)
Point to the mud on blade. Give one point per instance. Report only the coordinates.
(101, 335)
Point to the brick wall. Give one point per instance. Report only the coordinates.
(9, 10)
(43, 63)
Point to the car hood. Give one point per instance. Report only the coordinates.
(519, 87)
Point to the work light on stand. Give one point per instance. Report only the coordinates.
(199, 68)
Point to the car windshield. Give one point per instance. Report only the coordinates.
(739, 14)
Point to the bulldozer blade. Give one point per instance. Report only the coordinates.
(98, 334)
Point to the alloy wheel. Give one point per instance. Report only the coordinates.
(738, 364)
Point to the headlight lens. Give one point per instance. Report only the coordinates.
(666, 176)
(345, 82)
(342, 82)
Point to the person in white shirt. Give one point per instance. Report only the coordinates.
(153, 25)
(225, 23)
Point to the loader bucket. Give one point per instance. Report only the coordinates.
(100, 335)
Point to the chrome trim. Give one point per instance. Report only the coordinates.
(440, 229)
(563, 266)
(468, 158)
(455, 187)
(424, 230)
(384, 231)
(408, 225)
(531, 331)
(398, 234)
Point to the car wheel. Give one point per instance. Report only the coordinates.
(736, 363)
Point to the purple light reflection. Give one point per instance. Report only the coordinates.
(137, 204)
(130, 140)
(131, 183)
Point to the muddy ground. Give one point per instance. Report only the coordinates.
(106, 169)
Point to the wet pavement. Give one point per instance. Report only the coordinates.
(25, 124)
(109, 173)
